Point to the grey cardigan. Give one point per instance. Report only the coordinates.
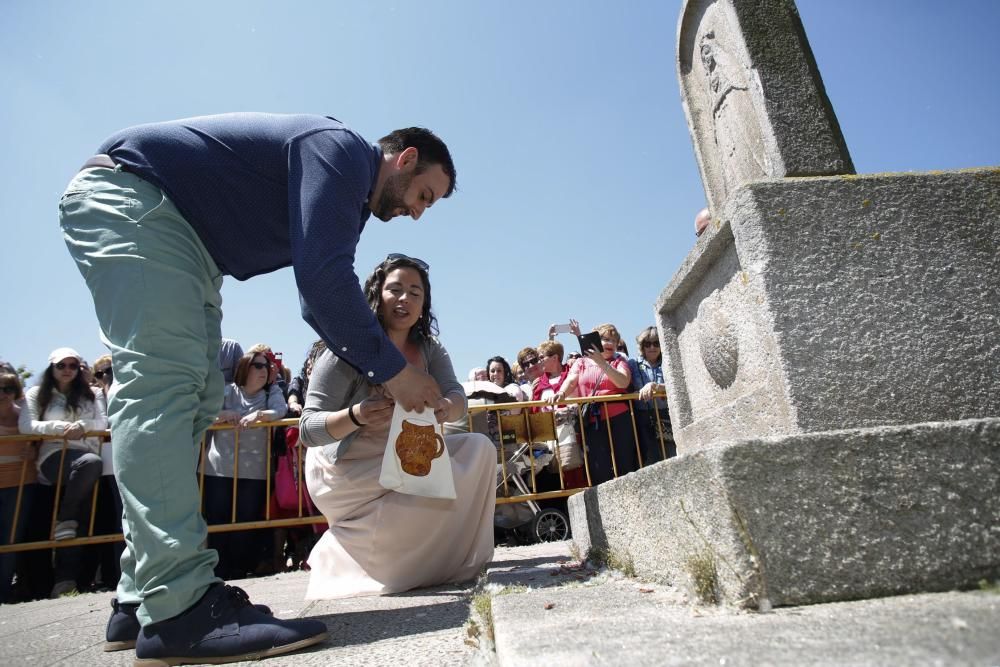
(335, 385)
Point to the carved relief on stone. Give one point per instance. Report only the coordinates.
(718, 342)
(736, 128)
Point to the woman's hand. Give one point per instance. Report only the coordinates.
(574, 327)
(249, 419)
(646, 392)
(555, 398)
(598, 358)
(374, 411)
(443, 410)
(73, 431)
(228, 417)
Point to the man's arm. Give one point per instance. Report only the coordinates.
(330, 174)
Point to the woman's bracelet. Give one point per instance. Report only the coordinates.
(350, 413)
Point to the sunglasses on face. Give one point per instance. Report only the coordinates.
(63, 366)
(260, 365)
(104, 373)
(528, 363)
(9, 389)
(651, 343)
(395, 256)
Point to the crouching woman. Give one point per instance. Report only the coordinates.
(381, 541)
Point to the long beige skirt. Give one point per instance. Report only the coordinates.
(380, 541)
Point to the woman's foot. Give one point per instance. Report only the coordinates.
(62, 588)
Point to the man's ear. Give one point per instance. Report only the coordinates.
(406, 161)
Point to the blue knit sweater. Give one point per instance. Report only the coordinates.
(266, 191)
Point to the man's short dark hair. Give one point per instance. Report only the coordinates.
(430, 150)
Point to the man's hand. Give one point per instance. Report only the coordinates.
(414, 389)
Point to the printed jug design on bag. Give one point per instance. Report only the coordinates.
(417, 446)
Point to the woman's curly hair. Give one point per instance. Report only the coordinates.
(427, 325)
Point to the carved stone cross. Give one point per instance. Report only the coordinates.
(754, 100)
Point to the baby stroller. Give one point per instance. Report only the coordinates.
(526, 449)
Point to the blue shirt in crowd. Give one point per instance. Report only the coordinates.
(266, 191)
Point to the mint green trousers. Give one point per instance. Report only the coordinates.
(156, 293)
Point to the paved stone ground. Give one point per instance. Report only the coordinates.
(550, 610)
(424, 627)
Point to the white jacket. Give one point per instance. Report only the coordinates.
(93, 415)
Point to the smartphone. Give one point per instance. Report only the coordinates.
(591, 341)
(561, 328)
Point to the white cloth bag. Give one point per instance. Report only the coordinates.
(419, 431)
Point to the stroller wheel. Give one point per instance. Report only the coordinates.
(550, 525)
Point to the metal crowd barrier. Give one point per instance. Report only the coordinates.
(510, 431)
(527, 436)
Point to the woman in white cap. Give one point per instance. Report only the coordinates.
(64, 404)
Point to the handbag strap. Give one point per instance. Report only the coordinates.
(594, 392)
(597, 384)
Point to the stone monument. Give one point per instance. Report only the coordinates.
(832, 346)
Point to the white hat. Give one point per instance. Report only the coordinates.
(62, 353)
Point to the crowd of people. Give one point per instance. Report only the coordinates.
(547, 373)
(70, 400)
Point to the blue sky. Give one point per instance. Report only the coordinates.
(577, 178)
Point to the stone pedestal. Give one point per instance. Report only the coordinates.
(825, 303)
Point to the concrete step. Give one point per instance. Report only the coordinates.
(548, 610)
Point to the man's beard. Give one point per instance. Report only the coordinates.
(392, 196)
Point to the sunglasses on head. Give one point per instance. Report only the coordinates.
(260, 365)
(107, 372)
(73, 366)
(9, 389)
(396, 256)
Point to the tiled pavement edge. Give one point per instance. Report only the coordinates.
(548, 610)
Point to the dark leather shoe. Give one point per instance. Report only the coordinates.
(223, 627)
(123, 626)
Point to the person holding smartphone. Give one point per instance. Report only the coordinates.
(604, 373)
